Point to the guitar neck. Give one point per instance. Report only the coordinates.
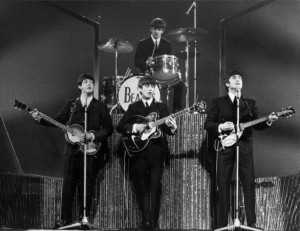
(254, 122)
(262, 119)
(54, 122)
(163, 120)
(50, 120)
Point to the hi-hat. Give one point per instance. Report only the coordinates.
(186, 34)
(112, 45)
(182, 54)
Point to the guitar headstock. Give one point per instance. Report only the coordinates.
(197, 107)
(21, 106)
(287, 112)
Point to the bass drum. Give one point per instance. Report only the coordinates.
(129, 93)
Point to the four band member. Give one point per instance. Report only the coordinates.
(148, 164)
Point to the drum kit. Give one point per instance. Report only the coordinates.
(123, 90)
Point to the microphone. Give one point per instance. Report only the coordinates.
(238, 93)
(191, 7)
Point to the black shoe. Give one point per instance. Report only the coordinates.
(146, 226)
(155, 226)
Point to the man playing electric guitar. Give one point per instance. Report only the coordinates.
(222, 118)
(99, 128)
(147, 166)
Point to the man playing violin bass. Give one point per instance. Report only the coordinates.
(221, 118)
(153, 46)
(99, 128)
(147, 165)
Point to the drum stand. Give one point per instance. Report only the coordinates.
(237, 223)
(116, 100)
(187, 103)
(84, 222)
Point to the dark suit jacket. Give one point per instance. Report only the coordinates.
(223, 110)
(144, 51)
(138, 108)
(98, 120)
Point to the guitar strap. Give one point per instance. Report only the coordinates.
(73, 109)
(247, 105)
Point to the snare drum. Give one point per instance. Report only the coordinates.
(129, 92)
(165, 67)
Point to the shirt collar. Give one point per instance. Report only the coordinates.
(149, 101)
(83, 100)
(231, 96)
(158, 40)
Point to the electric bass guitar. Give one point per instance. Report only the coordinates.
(227, 140)
(137, 142)
(73, 134)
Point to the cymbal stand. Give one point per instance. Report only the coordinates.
(195, 58)
(237, 223)
(187, 103)
(84, 222)
(194, 5)
(168, 93)
(116, 71)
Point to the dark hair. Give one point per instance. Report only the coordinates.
(83, 77)
(146, 80)
(158, 23)
(227, 77)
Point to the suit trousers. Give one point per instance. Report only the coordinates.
(147, 172)
(225, 164)
(73, 177)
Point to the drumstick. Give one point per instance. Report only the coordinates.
(126, 72)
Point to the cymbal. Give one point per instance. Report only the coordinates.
(182, 54)
(112, 45)
(186, 34)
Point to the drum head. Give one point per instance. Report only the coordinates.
(129, 92)
(165, 68)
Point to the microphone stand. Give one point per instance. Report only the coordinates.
(194, 5)
(84, 222)
(237, 223)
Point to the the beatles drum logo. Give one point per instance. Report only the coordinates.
(129, 92)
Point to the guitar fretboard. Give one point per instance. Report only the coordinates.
(262, 119)
(177, 114)
(52, 121)
(254, 122)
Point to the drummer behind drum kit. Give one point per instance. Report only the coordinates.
(165, 70)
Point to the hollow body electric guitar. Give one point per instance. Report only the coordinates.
(227, 140)
(73, 133)
(137, 142)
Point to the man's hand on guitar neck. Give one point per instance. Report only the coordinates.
(35, 114)
(272, 118)
(170, 121)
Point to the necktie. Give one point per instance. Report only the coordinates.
(147, 106)
(154, 48)
(234, 101)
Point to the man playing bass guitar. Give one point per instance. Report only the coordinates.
(99, 128)
(147, 165)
